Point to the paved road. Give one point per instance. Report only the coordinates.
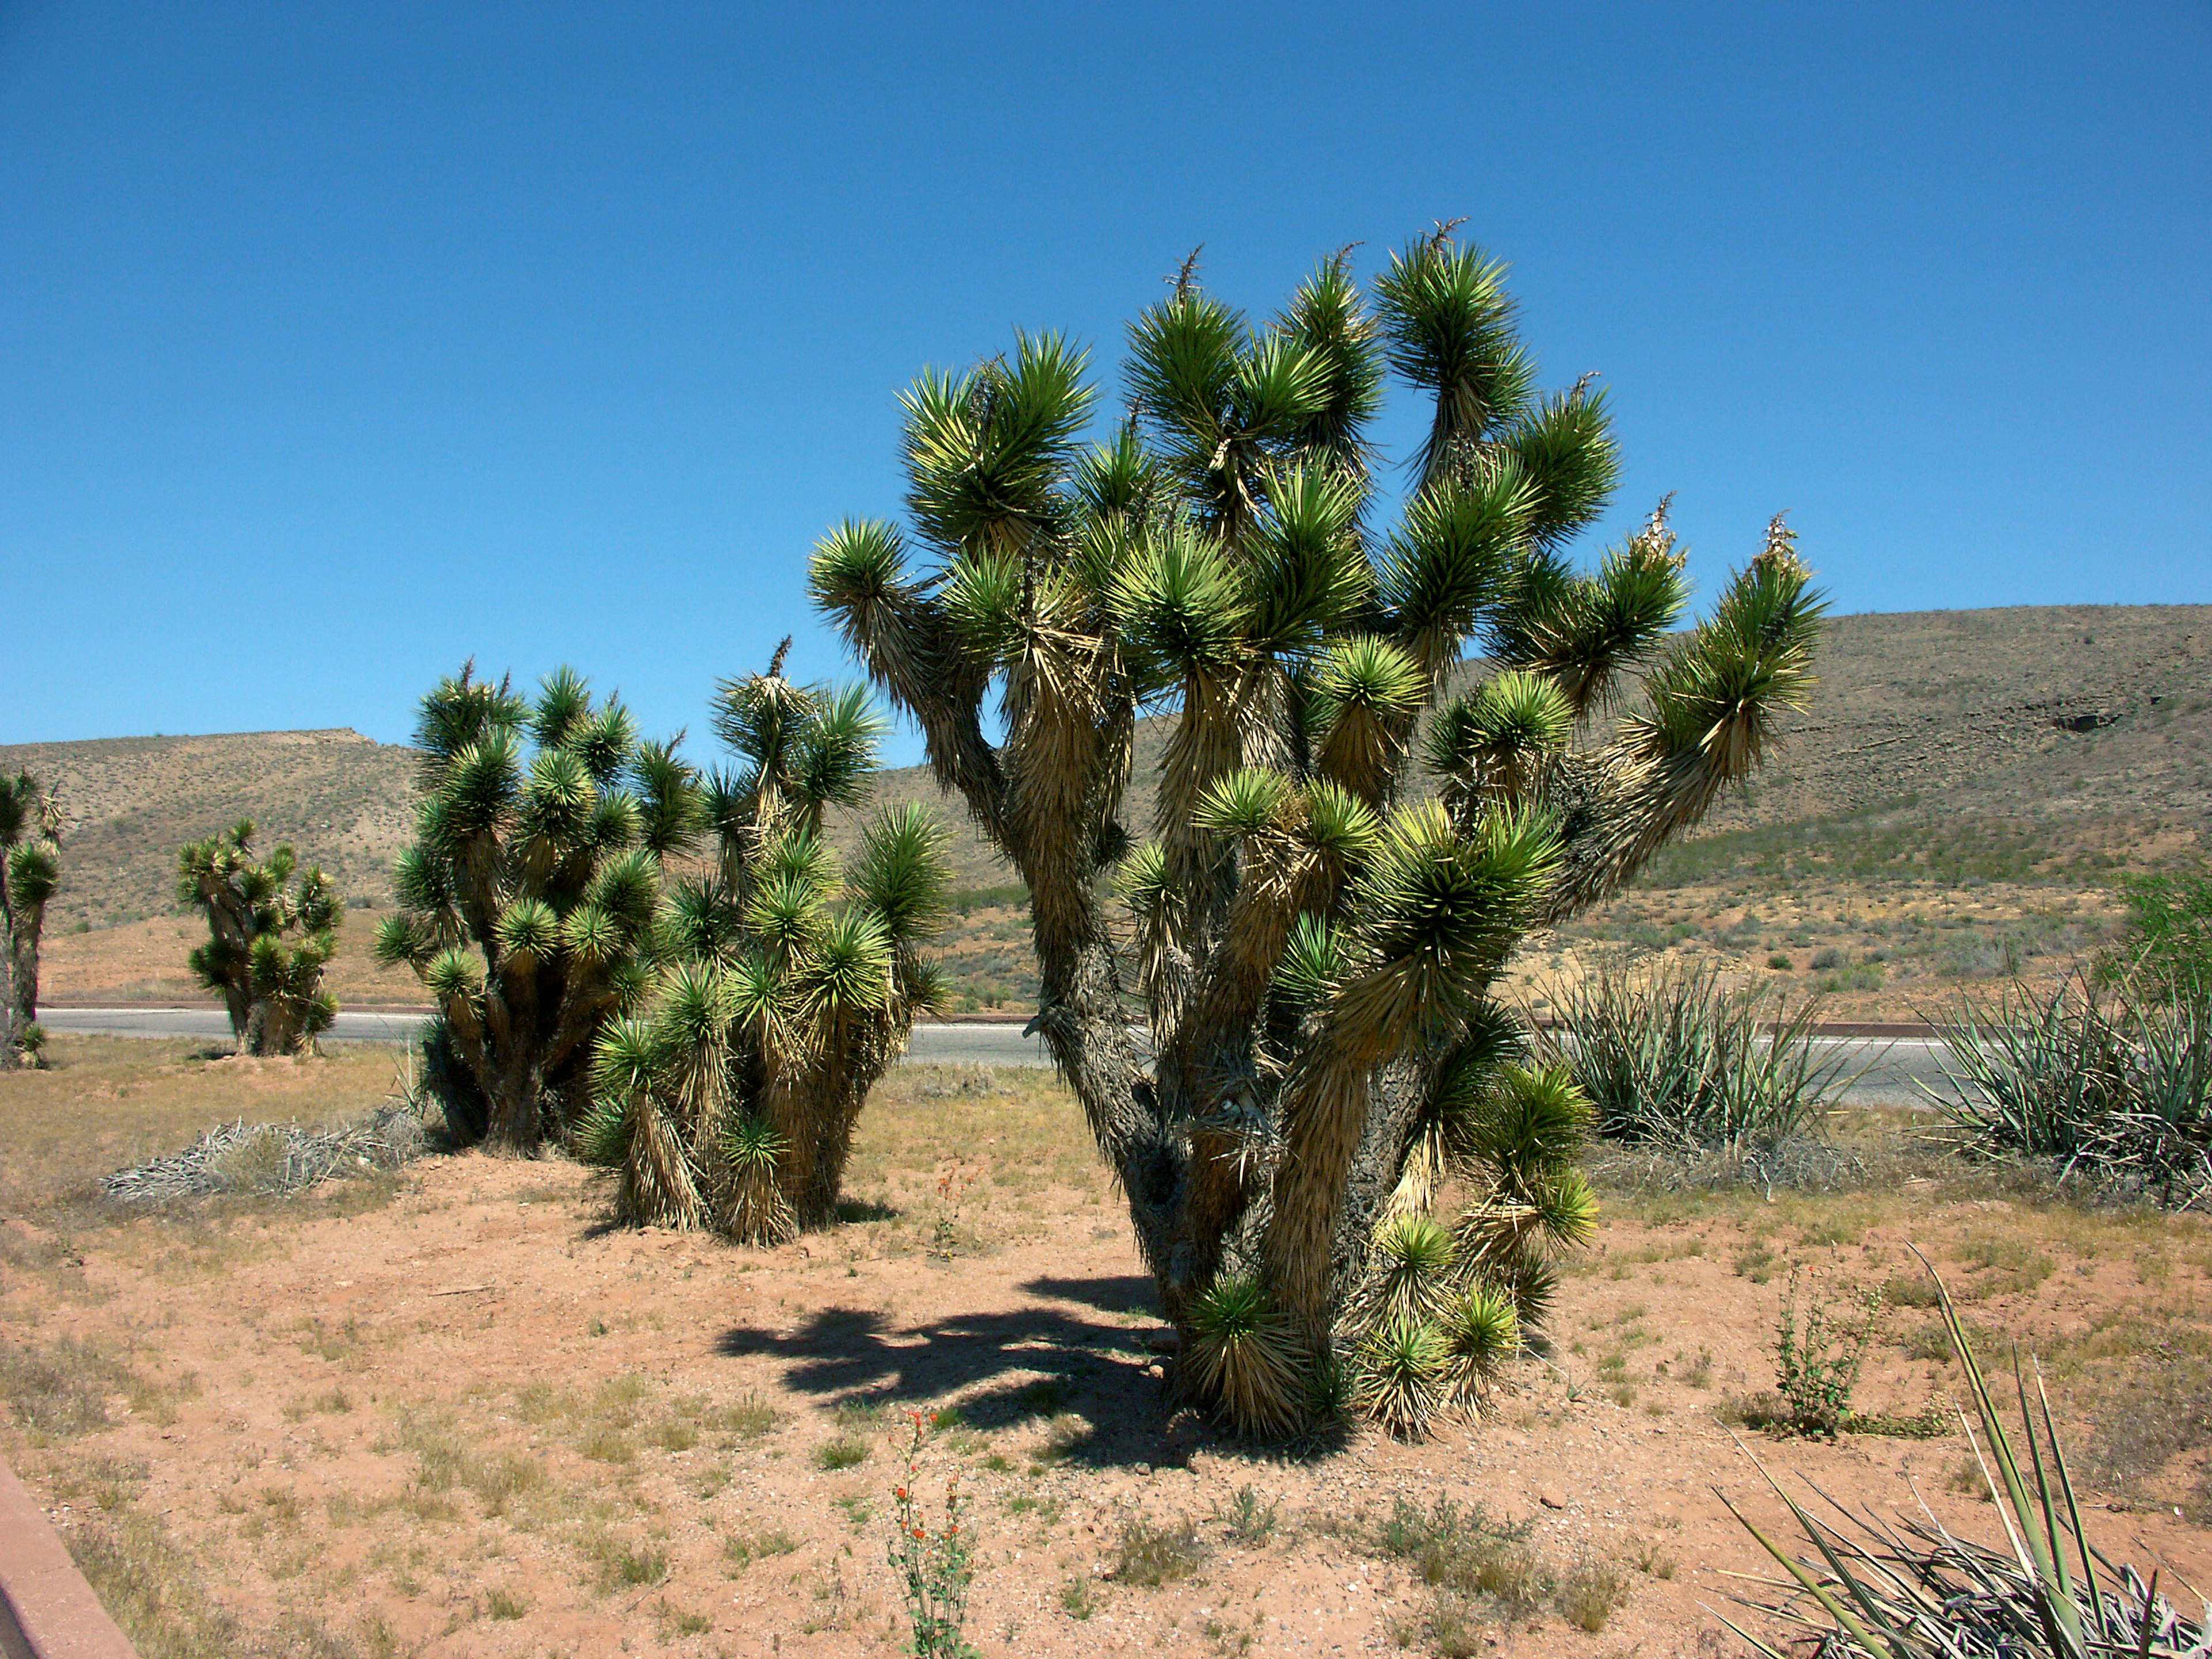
(1885, 1070)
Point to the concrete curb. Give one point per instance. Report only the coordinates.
(47, 1611)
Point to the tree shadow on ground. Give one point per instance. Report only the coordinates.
(1016, 1366)
(1130, 1293)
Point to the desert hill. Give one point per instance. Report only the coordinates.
(2041, 747)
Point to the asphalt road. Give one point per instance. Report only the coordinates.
(1883, 1070)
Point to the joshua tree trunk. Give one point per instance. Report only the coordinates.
(30, 873)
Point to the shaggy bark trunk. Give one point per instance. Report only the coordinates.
(22, 987)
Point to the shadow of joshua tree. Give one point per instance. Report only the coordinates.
(1004, 1368)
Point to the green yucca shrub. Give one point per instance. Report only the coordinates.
(2115, 1080)
(30, 874)
(1673, 1059)
(785, 985)
(271, 931)
(1283, 1032)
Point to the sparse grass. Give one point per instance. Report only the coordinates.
(1149, 1553)
(1755, 1262)
(153, 1588)
(1078, 1598)
(59, 1392)
(844, 1451)
(742, 1549)
(1590, 1593)
(1462, 1550)
(1249, 1518)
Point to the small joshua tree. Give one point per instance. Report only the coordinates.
(30, 870)
(787, 988)
(528, 900)
(1315, 928)
(270, 934)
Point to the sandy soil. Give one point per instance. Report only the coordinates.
(476, 1421)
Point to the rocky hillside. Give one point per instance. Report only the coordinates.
(2042, 747)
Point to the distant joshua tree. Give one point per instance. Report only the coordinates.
(271, 929)
(787, 985)
(30, 870)
(1314, 930)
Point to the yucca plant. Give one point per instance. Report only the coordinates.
(1674, 1059)
(1914, 1590)
(1241, 1355)
(787, 986)
(2115, 1078)
(30, 873)
(271, 931)
(529, 899)
(1313, 925)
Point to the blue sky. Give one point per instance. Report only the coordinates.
(339, 344)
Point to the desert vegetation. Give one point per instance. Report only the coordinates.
(270, 928)
(1314, 944)
(30, 872)
(785, 987)
(495, 1417)
(529, 897)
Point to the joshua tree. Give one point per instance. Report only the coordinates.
(1313, 935)
(272, 989)
(786, 991)
(527, 900)
(30, 870)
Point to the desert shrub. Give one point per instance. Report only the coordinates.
(1675, 1060)
(2167, 942)
(1914, 1590)
(1817, 1363)
(2112, 1081)
(934, 1567)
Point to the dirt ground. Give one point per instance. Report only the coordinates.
(452, 1412)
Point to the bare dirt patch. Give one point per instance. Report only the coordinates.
(469, 1418)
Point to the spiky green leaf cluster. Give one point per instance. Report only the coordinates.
(532, 899)
(785, 984)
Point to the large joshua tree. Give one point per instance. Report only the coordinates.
(528, 900)
(271, 931)
(1349, 838)
(30, 872)
(787, 987)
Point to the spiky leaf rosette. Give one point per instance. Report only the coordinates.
(1242, 1357)
(1399, 1377)
(1481, 1331)
(1412, 1264)
(657, 1189)
(756, 1211)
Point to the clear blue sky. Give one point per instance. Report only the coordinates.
(339, 342)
